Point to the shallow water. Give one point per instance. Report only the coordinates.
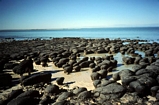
(145, 33)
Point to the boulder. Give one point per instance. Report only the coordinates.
(154, 90)
(29, 93)
(79, 90)
(24, 101)
(84, 95)
(111, 91)
(37, 78)
(5, 80)
(52, 89)
(60, 80)
(13, 94)
(64, 96)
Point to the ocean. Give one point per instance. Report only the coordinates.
(145, 33)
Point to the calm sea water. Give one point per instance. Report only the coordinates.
(148, 33)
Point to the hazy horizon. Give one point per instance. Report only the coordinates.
(75, 14)
(80, 28)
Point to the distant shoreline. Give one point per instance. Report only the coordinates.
(16, 30)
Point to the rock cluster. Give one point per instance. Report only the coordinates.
(135, 86)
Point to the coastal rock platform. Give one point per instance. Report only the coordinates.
(77, 71)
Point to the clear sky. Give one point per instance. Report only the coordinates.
(50, 14)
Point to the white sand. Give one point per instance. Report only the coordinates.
(80, 79)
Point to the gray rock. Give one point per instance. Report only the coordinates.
(154, 90)
(111, 91)
(52, 89)
(84, 95)
(79, 90)
(129, 98)
(64, 96)
(105, 82)
(96, 83)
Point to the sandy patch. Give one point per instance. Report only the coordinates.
(80, 79)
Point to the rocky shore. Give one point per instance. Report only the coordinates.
(77, 71)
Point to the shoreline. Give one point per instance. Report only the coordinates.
(74, 79)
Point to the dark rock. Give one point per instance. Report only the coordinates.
(153, 68)
(95, 69)
(3, 102)
(137, 59)
(10, 65)
(136, 86)
(62, 62)
(110, 69)
(65, 65)
(114, 63)
(68, 69)
(149, 53)
(128, 60)
(111, 91)
(96, 94)
(95, 76)
(137, 67)
(71, 62)
(151, 59)
(23, 101)
(44, 58)
(64, 96)
(104, 67)
(14, 94)
(79, 90)
(77, 68)
(96, 83)
(63, 102)
(142, 71)
(126, 80)
(130, 98)
(116, 76)
(92, 65)
(24, 66)
(37, 78)
(103, 73)
(60, 80)
(126, 73)
(85, 64)
(45, 101)
(2, 63)
(5, 80)
(29, 93)
(157, 95)
(105, 82)
(84, 95)
(154, 90)
(16, 56)
(144, 64)
(147, 81)
(52, 89)
(44, 64)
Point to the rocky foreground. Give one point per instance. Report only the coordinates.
(136, 86)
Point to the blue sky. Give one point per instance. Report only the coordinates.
(54, 14)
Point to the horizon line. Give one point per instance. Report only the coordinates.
(78, 28)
